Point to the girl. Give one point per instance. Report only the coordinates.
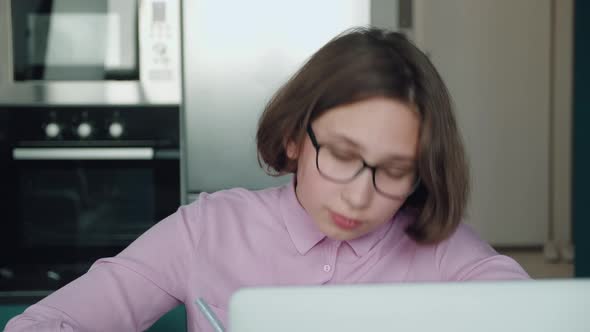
(379, 189)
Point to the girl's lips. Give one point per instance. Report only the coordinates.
(343, 222)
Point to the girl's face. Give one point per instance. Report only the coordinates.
(384, 133)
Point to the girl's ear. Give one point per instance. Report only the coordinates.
(292, 150)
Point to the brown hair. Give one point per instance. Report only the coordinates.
(367, 62)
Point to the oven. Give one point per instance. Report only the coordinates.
(79, 183)
(92, 52)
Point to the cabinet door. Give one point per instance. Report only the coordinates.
(495, 57)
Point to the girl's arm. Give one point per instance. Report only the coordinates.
(128, 292)
(465, 256)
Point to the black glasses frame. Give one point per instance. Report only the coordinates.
(373, 169)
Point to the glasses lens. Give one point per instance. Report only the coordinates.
(395, 183)
(337, 165)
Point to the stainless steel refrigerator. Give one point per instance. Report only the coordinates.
(236, 54)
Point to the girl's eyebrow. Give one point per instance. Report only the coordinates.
(388, 159)
(345, 139)
(399, 158)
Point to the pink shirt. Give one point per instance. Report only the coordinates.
(239, 238)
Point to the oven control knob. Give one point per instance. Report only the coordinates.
(52, 130)
(84, 130)
(116, 130)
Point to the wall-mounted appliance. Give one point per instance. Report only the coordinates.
(55, 52)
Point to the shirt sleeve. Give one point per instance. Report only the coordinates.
(128, 292)
(465, 256)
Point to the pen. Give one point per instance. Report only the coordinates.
(210, 315)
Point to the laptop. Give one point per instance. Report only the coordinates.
(548, 305)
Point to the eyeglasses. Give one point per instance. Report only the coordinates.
(342, 167)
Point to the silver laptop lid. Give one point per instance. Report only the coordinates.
(551, 305)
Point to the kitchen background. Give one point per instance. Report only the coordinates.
(120, 111)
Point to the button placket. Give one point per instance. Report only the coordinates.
(329, 266)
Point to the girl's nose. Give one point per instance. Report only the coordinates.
(358, 192)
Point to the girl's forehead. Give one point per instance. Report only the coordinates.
(378, 113)
(379, 124)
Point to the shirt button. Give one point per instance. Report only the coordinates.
(327, 268)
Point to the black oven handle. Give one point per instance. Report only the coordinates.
(86, 153)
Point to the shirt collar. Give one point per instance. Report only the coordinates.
(300, 226)
(304, 232)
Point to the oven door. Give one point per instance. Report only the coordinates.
(89, 52)
(72, 206)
